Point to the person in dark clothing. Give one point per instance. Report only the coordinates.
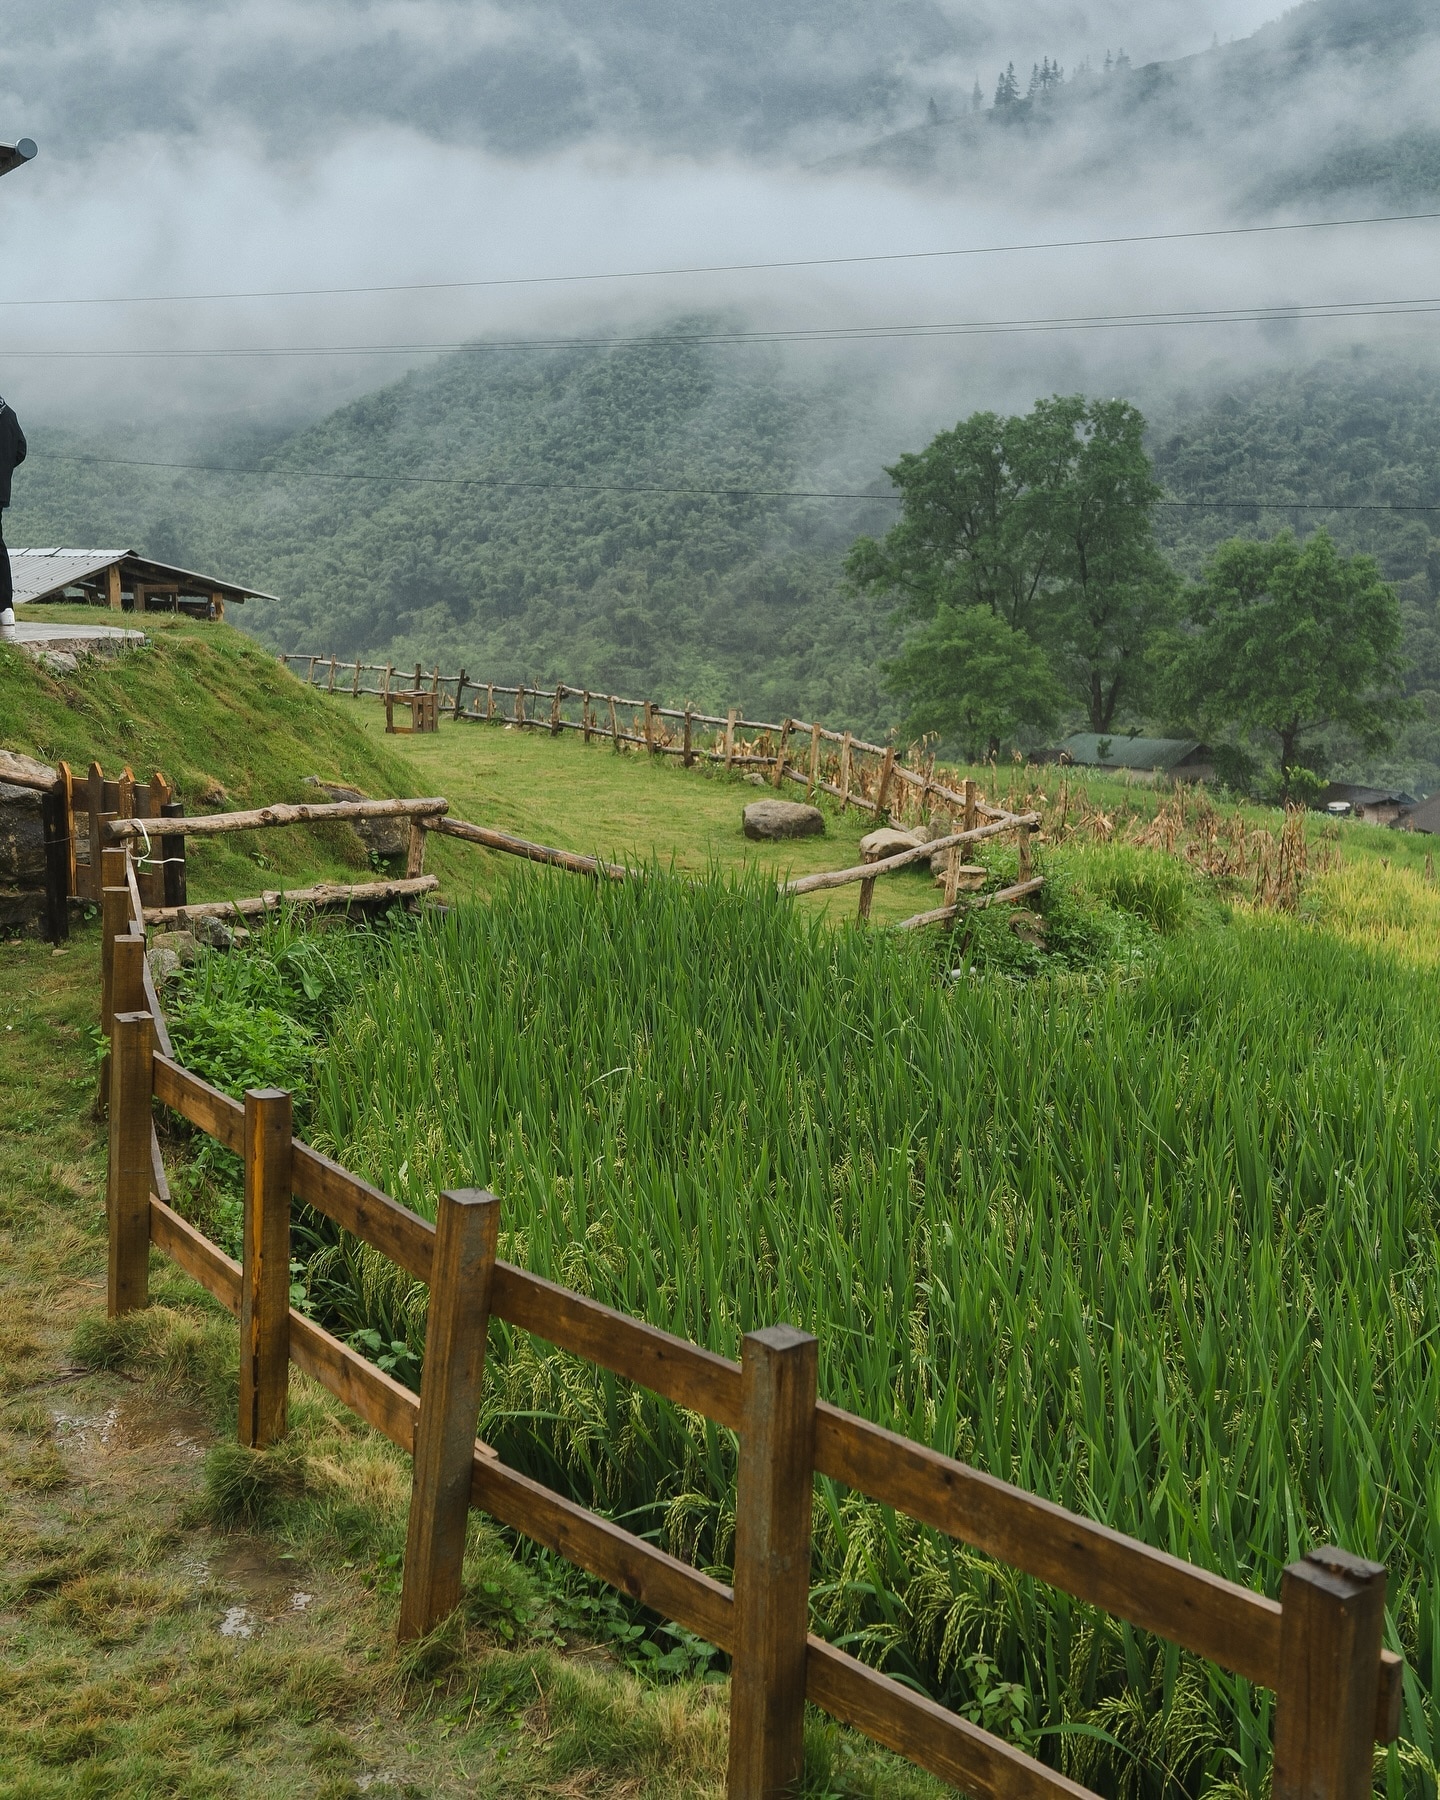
(12, 454)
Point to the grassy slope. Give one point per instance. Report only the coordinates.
(213, 711)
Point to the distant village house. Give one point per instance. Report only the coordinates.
(1145, 758)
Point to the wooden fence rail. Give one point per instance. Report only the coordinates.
(852, 779)
(1319, 1647)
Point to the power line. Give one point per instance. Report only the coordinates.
(744, 268)
(1255, 314)
(732, 493)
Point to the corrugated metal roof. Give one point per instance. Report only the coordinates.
(1123, 752)
(39, 572)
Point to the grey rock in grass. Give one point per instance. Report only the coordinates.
(179, 944)
(383, 837)
(887, 841)
(163, 964)
(766, 819)
(218, 934)
(58, 662)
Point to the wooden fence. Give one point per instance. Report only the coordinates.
(1319, 1647)
(872, 777)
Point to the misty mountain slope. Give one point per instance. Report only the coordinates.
(1334, 99)
(717, 597)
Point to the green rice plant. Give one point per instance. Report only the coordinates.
(1159, 1245)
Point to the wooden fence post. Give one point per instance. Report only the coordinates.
(772, 1564)
(845, 774)
(265, 1282)
(460, 691)
(127, 981)
(814, 759)
(585, 715)
(1022, 854)
(734, 714)
(467, 1226)
(389, 671)
(127, 1187)
(330, 684)
(415, 850)
(355, 689)
(1332, 1621)
(520, 705)
(887, 771)
(55, 825)
(650, 726)
(779, 775)
(614, 726)
(970, 808)
(558, 696)
(689, 758)
(114, 923)
(172, 852)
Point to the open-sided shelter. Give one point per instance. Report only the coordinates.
(123, 581)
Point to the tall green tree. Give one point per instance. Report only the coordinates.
(1043, 520)
(972, 679)
(1290, 639)
(1113, 595)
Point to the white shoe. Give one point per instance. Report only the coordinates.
(7, 618)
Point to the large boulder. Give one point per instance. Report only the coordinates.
(888, 841)
(767, 819)
(385, 838)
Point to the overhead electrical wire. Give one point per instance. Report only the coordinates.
(728, 493)
(1255, 314)
(742, 268)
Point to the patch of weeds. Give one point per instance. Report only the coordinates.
(248, 1487)
(391, 1356)
(104, 1343)
(111, 1608)
(43, 1472)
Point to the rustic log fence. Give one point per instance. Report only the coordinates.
(1319, 1647)
(870, 777)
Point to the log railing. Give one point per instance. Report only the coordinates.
(850, 769)
(1319, 1647)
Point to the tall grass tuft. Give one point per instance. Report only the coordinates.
(1161, 1247)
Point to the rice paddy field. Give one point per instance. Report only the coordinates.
(1143, 1220)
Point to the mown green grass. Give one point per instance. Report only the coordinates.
(1159, 1244)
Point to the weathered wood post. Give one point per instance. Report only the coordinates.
(265, 1282)
(389, 671)
(127, 1186)
(732, 716)
(845, 774)
(467, 1227)
(1332, 1621)
(650, 726)
(887, 771)
(415, 849)
(520, 705)
(55, 826)
(785, 731)
(558, 696)
(172, 852)
(1022, 854)
(330, 684)
(128, 973)
(952, 874)
(355, 688)
(689, 758)
(814, 760)
(772, 1564)
(114, 923)
(460, 691)
(614, 726)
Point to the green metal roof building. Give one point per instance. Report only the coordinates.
(1167, 759)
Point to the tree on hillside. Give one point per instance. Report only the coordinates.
(1043, 520)
(1291, 638)
(974, 680)
(1115, 596)
(1007, 88)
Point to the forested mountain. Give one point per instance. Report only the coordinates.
(716, 597)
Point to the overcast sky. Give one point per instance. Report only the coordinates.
(206, 147)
